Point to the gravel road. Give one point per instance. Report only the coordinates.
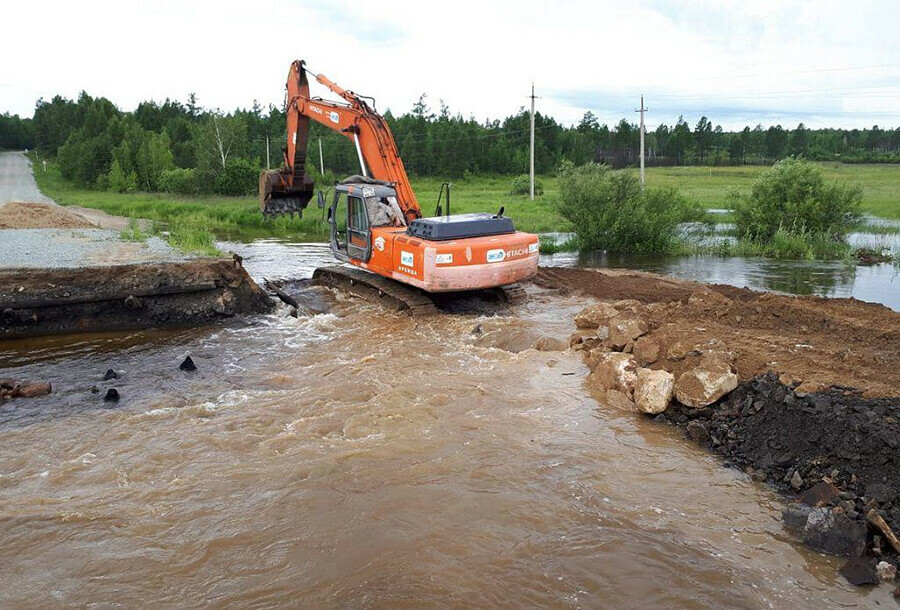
(72, 248)
(16, 180)
(67, 248)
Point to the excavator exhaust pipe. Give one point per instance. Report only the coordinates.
(276, 198)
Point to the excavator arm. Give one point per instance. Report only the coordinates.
(290, 189)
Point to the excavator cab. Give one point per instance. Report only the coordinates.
(360, 204)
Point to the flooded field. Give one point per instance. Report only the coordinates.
(358, 458)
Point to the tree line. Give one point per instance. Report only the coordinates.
(181, 147)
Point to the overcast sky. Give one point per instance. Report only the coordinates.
(738, 62)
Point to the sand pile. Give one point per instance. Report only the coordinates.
(16, 215)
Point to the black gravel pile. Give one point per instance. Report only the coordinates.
(794, 440)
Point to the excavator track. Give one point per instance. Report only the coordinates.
(400, 297)
(376, 288)
(513, 293)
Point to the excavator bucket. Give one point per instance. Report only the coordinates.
(276, 198)
(289, 190)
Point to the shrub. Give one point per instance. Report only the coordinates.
(610, 212)
(793, 197)
(521, 185)
(240, 177)
(118, 181)
(180, 180)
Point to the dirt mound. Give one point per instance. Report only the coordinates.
(617, 284)
(817, 341)
(15, 215)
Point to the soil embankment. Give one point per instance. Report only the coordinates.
(815, 409)
(87, 299)
(816, 341)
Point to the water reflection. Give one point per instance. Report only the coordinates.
(876, 283)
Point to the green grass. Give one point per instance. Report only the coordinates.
(133, 232)
(551, 246)
(783, 246)
(709, 185)
(193, 221)
(191, 238)
(239, 217)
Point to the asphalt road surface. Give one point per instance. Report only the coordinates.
(16, 180)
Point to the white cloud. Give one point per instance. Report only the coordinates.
(734, 61)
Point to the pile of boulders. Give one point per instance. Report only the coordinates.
(628, 365)
(10, 388)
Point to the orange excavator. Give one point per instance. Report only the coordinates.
(375, 221)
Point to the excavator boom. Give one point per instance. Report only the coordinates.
(290, 189)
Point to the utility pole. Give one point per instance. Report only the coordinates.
(642, 110)
(532, 142)
(268, 166)
(321, 163)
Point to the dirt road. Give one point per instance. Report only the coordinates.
(16, 180)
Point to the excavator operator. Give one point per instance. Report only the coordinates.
(384, 211)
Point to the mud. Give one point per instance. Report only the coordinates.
(17, 215)
(816, 341)
(90, 299)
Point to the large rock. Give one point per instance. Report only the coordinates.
(712, 356)
(34, 388)
(860, 571)
(619, 400)
(795, 516)
(10, 388)
(632, 305)
(886, 571)
(592, 357)
(653, 390)
(550, 344)
(705, 384)
(679, 351)
(595, 315)
(831, 531)
(587, 339)
(616, 371)
(820, 494)
(625, 328)
(646, 350)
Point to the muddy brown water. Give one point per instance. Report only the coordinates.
(363, 459)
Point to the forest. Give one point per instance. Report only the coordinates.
(184, 148)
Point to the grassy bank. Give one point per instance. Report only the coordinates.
(224, 216)
(239, 217)
(709, 185)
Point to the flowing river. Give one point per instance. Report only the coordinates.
(357, 458)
